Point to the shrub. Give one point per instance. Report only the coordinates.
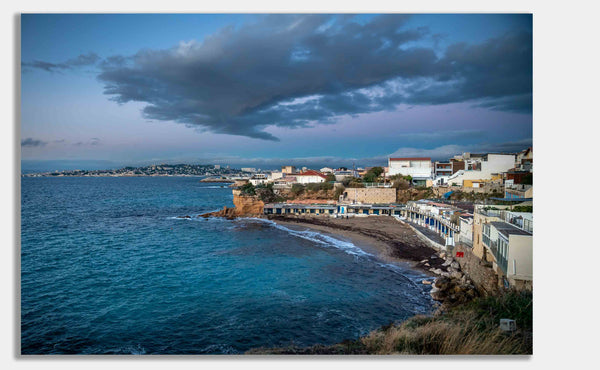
(248, 189)
(297, 189)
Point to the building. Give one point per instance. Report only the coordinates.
(217, 166)
(341, 173)
(441, 169)
(275, 175)
(438, 217)
(419, 168)
(288, 169)
(466, 229)
(310, 176)
(248, 169)
(486, 214)
(482, 167)
(332, 210)
(457, 165)
(369, 195)
(326, 170)
(512, 249)
(518, 191)
(524, 160)
(259, 179)
(284, 182)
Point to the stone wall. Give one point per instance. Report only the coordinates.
(370, 195)
(480, 273)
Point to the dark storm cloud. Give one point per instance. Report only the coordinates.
(299, 70)
(81, 60)
(29, 142)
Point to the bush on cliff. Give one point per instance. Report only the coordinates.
(297, 189)
(317, 186)
(247, 189)
(267, 194)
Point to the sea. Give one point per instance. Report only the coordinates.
(108, 267)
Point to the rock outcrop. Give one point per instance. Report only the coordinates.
(245, 206)
(452, 291)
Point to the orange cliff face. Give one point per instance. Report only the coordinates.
(247, 205)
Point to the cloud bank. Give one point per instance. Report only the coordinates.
(80, 61)
(300, 70)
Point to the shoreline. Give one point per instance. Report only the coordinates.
(384, 237)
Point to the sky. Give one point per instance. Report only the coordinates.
(263, 90)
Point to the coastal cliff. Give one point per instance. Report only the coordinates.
(244, 206)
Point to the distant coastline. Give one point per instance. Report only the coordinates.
(160, 170)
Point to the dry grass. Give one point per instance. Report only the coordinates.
(468, 329)
(442, 337)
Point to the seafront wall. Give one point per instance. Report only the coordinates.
(482, 275)
(370, 195)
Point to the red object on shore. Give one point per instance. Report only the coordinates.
(460, 254)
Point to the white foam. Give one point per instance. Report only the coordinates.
(318, 238)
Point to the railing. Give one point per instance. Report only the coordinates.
(443, 221)
(501, 261)
(486, 240)
(377, 184)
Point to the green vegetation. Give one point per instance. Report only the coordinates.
(527, 179)
(330, 177)
(297, 189)
(267, 194)
(475, 197)
(247, 189)
(373, 174)
(316, 186)
(470, 328)
(400, 184)
(353, 182)
(339, 191)
(523, 209)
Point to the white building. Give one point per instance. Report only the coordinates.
(248, 169)
(326, 170)
(419, 168)
(512, 249)
(310, 176)
(483, 167)
(275, 175)
(466, 229)
(259, 179)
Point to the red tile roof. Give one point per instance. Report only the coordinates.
(311, 173)
(411, 159)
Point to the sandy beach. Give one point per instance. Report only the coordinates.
(384, 236)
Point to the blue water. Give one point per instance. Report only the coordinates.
(107, 268)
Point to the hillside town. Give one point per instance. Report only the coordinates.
(476, 208)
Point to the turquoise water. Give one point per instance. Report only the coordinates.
(107, 268)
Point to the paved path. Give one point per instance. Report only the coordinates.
(429, 233)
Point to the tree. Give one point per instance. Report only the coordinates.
(330, 177)
(373, 174)
(266, 193)
(248, 189)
